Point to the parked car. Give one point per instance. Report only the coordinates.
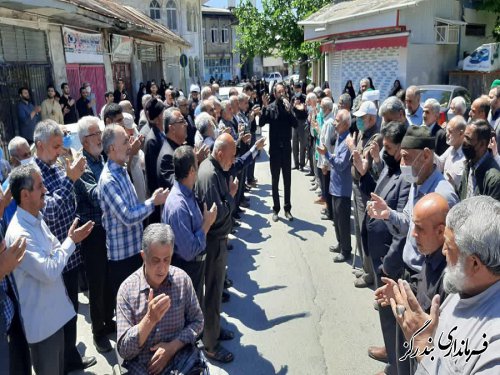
(224, 91)
(444, 95)
(273, 76)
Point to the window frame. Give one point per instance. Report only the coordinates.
(154, 6)
(172, 23)
(214, 31)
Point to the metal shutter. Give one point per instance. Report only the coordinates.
(23, 45)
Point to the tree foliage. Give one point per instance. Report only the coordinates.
(492, 6)
(274, 30)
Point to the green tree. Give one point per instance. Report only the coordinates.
(492, 6)
(274, 30)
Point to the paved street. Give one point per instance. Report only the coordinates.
(293, 310)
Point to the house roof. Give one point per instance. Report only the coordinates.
(135, 22)
(351, 9)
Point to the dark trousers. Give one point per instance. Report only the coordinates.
(388, 324)
(119, 270)
(241, 187)
(360, 199)
(342, 223)
(214, 285)
(95, 260)
(196, 271)
(48, 355)
(299, 144)
(280, 160)
(310, 151)
(327, 196)
(19, 354)
(251, 168)
(71, 354)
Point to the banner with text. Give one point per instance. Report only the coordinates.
(80, 47)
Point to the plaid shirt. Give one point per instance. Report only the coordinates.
(122, 213)
(182, 321)
(7, 305)
(87, 200)
(60, 208)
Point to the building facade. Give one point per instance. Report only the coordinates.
(415, 41)
(183, 17)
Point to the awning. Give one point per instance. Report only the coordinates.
(450, 22)
(383, 41)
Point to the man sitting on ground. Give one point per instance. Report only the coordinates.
(158, 315)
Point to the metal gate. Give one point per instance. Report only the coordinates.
(12, 77)
(93, 74)
(122, 70)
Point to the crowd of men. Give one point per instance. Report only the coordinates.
(182, 175)
(425, 200)
(146, 206)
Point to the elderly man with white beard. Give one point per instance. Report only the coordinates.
(462, 336)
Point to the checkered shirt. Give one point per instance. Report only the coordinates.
(182, 321)
(7, 307)
(122, 213)
(60, 207)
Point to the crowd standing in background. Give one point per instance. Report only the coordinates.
(137, 207)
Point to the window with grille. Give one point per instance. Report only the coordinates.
(225, 35)
(215, 39)
(154, 10)
(171, 15)
(474, 29)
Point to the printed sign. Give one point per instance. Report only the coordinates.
(81, 47)
(122, 47)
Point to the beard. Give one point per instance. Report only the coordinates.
(454, 277)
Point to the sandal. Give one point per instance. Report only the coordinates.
(220, 355)
(226, 335)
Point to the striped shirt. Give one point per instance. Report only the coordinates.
(182, 321)
(60, 207)
(122, 213)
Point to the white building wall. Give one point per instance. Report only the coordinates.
(470, 43)
(429, 64)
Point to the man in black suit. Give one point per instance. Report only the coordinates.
(175, 127)
(432, 109)
(482, 173)
(152, 147)
(279, 116)
(384, 249)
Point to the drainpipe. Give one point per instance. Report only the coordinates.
(461, 15)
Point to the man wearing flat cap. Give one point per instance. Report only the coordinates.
(418, 168)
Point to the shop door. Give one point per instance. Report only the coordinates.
(122, 70)
(12, 77)
(94, 74)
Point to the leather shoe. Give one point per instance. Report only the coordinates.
(295, 168)
(244, 204)
(310, 174)
(313, 188)
(288, 215)
(225, 296)
(378, 353)
(325, 217)
(102, 344)
(339, 258)
(275, 217)
(86, 362)
(236, 223)
(228, 283)
(334, 249)
(240, 210)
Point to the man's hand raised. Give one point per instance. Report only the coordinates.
(79, 234)
(233, 186)
(160, 196)
(157, 307)
(261, 143)
(75, 170)
(11, 257)
(378, 208)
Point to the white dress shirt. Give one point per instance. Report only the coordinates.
(44, 304)
(451, 163)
